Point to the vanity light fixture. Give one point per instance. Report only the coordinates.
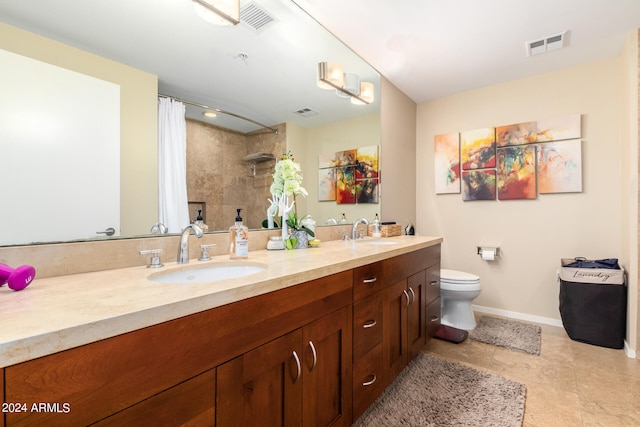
(332, 76)
(219, 12)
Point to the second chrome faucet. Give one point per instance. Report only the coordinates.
(183, 250)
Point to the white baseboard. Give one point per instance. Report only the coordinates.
(631, 353)
(519, 316)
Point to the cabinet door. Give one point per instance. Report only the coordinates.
(191, 403)
(327, 370)
(263, 386)
(416, 312)
(395, 329)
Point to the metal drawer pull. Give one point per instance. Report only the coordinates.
(372, 280)
(413, 295)
(369, 323)
(435, 318)
(373, 380)
(434, 283)
(315, 356)
(408, 299)
(297, 359)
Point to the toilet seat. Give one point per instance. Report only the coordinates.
(454, 280)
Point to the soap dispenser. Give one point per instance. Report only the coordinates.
(238, 239)
(343, 220)
(377, 230)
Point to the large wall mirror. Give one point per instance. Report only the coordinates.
(263, 69)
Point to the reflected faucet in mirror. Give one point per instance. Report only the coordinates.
(159, 228)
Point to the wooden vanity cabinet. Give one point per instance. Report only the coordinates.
(300, 379)
(410, 309)
(132, 374)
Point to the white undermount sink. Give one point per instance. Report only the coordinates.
(211, 273)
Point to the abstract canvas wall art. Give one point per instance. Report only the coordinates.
(478, 148)
(345, 185)
(326, 184)
(554, 129)
(560, 167)
(367, 162)
(367, 191)
(446, 155)
(479, 185)
(517, 172)
(327, 160)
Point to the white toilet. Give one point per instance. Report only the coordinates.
(457, 290)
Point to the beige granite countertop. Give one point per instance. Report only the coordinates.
(58, 313)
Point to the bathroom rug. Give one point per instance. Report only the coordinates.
(433, 392)
(508, 333)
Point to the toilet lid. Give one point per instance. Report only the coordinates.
(461, 277)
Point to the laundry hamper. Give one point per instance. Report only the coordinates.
(593, 301)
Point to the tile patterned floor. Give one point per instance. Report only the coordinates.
(569, 384)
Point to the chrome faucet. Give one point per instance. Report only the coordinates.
(355, 226)
(158, 228)
(183, 250)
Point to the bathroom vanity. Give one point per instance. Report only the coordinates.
(311, 340)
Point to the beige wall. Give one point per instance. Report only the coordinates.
(630, 124)
(138, 119)
(398, 152)
(532, 234)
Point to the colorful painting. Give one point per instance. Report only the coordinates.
(367, 191)
(367, 162)
(327, 160)
(560, 167)
(346, 158)
(555, 129)
(326, 185)
(479, 185)
(446, 158)
(517, 172)
(345, 185)
(478, 148)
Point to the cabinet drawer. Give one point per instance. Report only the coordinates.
(433, 318)
(368, 381)
(433, 283)
(367, 324)
(367, 280)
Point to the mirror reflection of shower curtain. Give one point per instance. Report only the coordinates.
(172, 165)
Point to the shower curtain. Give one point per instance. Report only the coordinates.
(172, 165)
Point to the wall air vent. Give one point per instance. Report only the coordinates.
(306, 112)
(254, 17)
(547, 44)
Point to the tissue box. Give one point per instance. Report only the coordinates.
(386, 230)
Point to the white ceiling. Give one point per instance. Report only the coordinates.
(427, 48)
(434, 48)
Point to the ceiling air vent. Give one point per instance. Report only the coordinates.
(548, 43)
(306, 112)
(254, 17)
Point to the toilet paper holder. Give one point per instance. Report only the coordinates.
(494, 249)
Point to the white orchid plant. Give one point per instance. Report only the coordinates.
(287, 184)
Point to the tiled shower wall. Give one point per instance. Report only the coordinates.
(218, 176)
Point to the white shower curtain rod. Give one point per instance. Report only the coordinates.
(217, 110)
